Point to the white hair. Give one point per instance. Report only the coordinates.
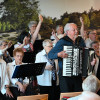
(32, 23)
(67, 26)
(91, 83)
(1, 42)
(57, 27)
(46, 41)
(87, 95)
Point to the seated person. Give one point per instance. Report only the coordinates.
(45, 81)
(25, 42)
(87, 95)
(2, 76)
(91, 83)
(4, 54)
(13, 87)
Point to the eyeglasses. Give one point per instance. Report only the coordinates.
(50, 46)
(74, 30)
(4, 44)
(34, 26)
(93, 33)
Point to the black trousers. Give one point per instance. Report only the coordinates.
(30, 90)
(1, 96)
(15, 93)
(70, 84)
(52, 91)
(98, 92)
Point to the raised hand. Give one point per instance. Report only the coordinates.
(9, 44)
(81, 20)
(53, 33)
(40, 18)
(25, 41)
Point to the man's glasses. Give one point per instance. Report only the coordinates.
(50, 46)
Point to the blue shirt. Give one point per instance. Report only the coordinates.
(65, 41)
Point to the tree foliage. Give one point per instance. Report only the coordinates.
(3, 26)
(91, 18)
(86, 20)
(65, 21)
(19, 12)
(0, 25)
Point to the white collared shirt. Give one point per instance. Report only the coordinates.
(12, 81)
(2, 74)
(45, 78)
(96, 65)
(18, 44)
(88, 42)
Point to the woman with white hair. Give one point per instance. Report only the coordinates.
(48, 81)
(25, 42)
(32, 27)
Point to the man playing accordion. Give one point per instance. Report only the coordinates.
(67, 83)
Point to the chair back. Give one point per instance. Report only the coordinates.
(69, 94)
(34, 97)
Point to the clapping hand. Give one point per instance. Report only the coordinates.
(9, 44)
(53, 33)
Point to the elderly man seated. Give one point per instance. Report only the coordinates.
(91, 83)
(89, 96)
(2, 76)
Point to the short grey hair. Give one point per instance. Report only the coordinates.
(67, 26)
(32, 23)
(1, 42)
(57, 27)
(92, 31)
(95, 42)
(45, 42)
(91, 83)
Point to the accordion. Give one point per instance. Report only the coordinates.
(77, 61)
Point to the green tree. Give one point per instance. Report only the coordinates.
(3, 26)
(74, 18)
(54, 22)
(48, 20)
(65, 21)
(86, 20)
(8, 26)
(0, 26)
(94, 18)
(19, 12)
